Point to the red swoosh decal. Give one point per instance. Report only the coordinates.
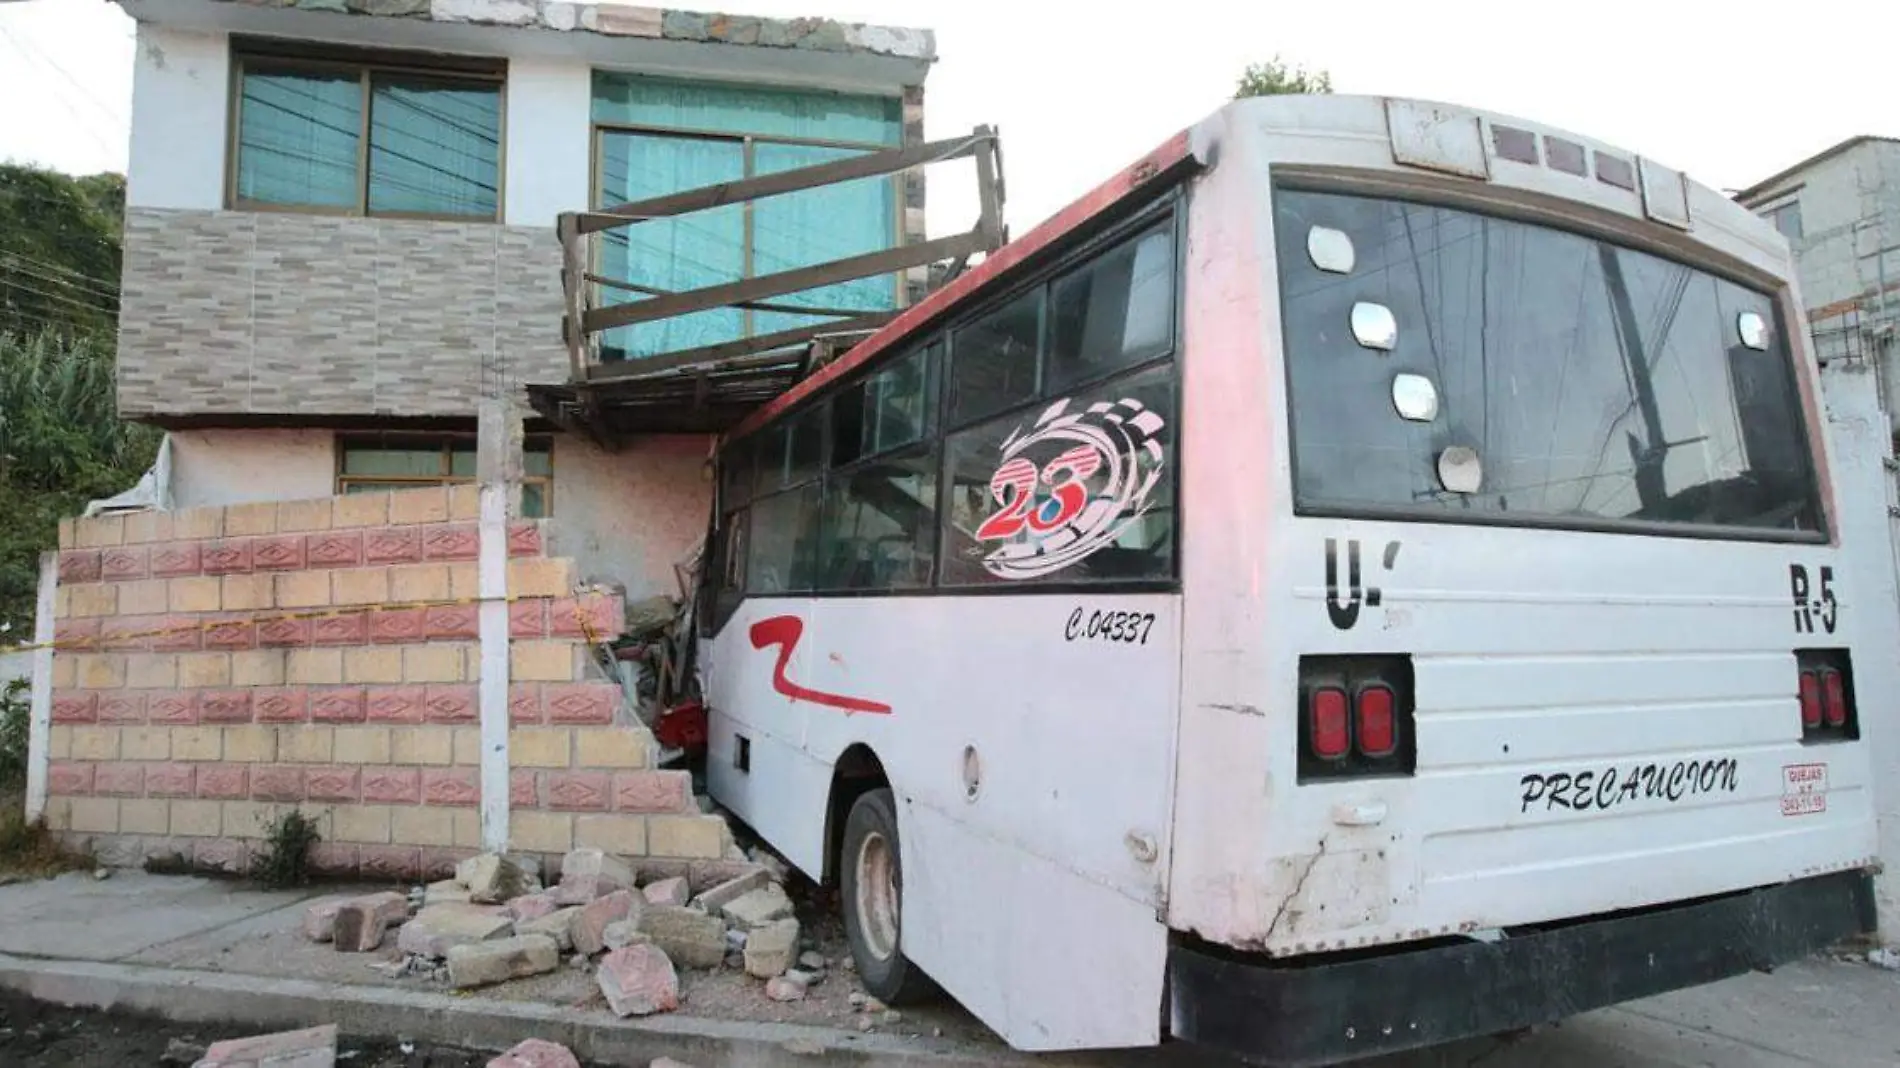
(784, 632)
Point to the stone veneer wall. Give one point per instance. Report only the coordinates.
(217, 666)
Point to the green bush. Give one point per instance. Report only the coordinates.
(15, 714)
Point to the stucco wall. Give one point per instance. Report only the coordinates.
(181, 88)
(222, 466)
(629, 516)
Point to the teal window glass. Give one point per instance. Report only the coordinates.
(662, 103)
(818, 225)
(297, 138)
(434, 147)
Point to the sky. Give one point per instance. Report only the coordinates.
(1080, 89)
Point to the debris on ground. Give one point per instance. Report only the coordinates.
(360, 923)
(688, 936)
(672, 891)
(784, 988)
(485, 963)
(757, 908)
(720, 896)
(1886, 957)
(638, 981)
(771, 949)
(180, 1053)
(537, 1053)
(313, 1047)
(492, 878)
(587, 874)
(590, 924)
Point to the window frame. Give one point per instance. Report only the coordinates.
(367, 66)
(444, 445)
(1570, 219)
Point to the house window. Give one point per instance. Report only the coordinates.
(656, 136)
(398, 462)
(369, 134)
(1787, 219)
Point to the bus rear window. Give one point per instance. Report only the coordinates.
(1455, 366)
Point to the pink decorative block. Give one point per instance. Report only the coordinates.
(129, 632)
(451, 621)
(451, 541)
(653, 791)
(81, 706)
(582, 702)
(122, 564)
(581, 791)
(76, 635)
(392, 625)
(170, 780)
(282, 552)
(450, 786)
(524, 702)
(522, 790)
(334, 858)
(450, 704)
(538, 1053)
(277, 782)
(439, 863)
(308, 1048)
(395, 704)
(351, 628)
(225, 781)
(390, 862)
(230, 630)
(528, 619)
(524, 538)
(172, 707)
(393, 545)
(78, 565)
(332, 783)
(178, 632)
(63, 777)
(122, 706)
(392, 785)
(337, 705)
(119, 780)
(334, 550)
(282, 631)
(280, 704)
(176, 558)
(224, 706)
(227, 557)
(595, 616)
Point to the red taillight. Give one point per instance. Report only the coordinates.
(1331, 736)
(1378, 722)
(1811, 699)
(1834, 690)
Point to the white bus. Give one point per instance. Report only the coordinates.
(1368, 574)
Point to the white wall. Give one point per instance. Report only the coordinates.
(550, 104)
(181, 82)
(238, 466)
(629, 516)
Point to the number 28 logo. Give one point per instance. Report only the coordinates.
(1108, 458)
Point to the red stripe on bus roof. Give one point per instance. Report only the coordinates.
(1102, 198)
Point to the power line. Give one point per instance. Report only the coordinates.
(84, 283)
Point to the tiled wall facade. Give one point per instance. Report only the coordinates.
(216, 666)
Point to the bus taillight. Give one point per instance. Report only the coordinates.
(1827, 696)
(1355, 716)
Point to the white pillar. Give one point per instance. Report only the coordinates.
(40, 722)
(497, 464)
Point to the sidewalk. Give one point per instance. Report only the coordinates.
(200, 950)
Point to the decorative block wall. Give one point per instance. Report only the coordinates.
(216, 666)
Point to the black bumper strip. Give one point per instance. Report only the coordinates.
(1320, 1010)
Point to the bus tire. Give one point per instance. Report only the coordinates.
(873, 889)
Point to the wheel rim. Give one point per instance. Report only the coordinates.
(877, 903)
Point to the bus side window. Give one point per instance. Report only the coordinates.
(783, 554)
(1115, 311)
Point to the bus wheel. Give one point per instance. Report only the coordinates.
(873, 901)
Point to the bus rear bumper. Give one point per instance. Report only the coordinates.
(1328, 1009)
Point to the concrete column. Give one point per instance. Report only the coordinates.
(498, 471)
(40, 716)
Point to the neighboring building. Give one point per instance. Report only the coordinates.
(1840, 211)
(339, 238)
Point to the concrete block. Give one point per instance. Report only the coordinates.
(732, 889)
(319, 920)
(587, 874)
(536, 660)
(688, 936)
(771, 949)
(590, 924)
(755, 909)
(446, 892)
(491, 878)
(784, 988)
(667, 892)
(536, 1053)
(438, 928)
(687, 836)
(311, 1048)
(638, 981)
(623, 933)
(361, 922)
(532, 906)
(558, 925)
(482, 963)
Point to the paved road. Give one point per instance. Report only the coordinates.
(195, 949)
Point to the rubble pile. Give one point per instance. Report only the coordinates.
(496, 921)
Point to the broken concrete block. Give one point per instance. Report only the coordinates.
(719, 896)
(482, 963)
(446, 892)
(757, 908)
(805, 975)
(592, 920)
(587, 874)
(361, 922)
(690, 937)
(784, 988)
(638, 981)
(438, 928)
(812, 960)
(668, 1062)
(558, 925)
(771, 949)
(491, 878)
(319, 921)
(537, 1053)
(623, 933)
(311, 1048)
(531, 906)
(672, 891)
